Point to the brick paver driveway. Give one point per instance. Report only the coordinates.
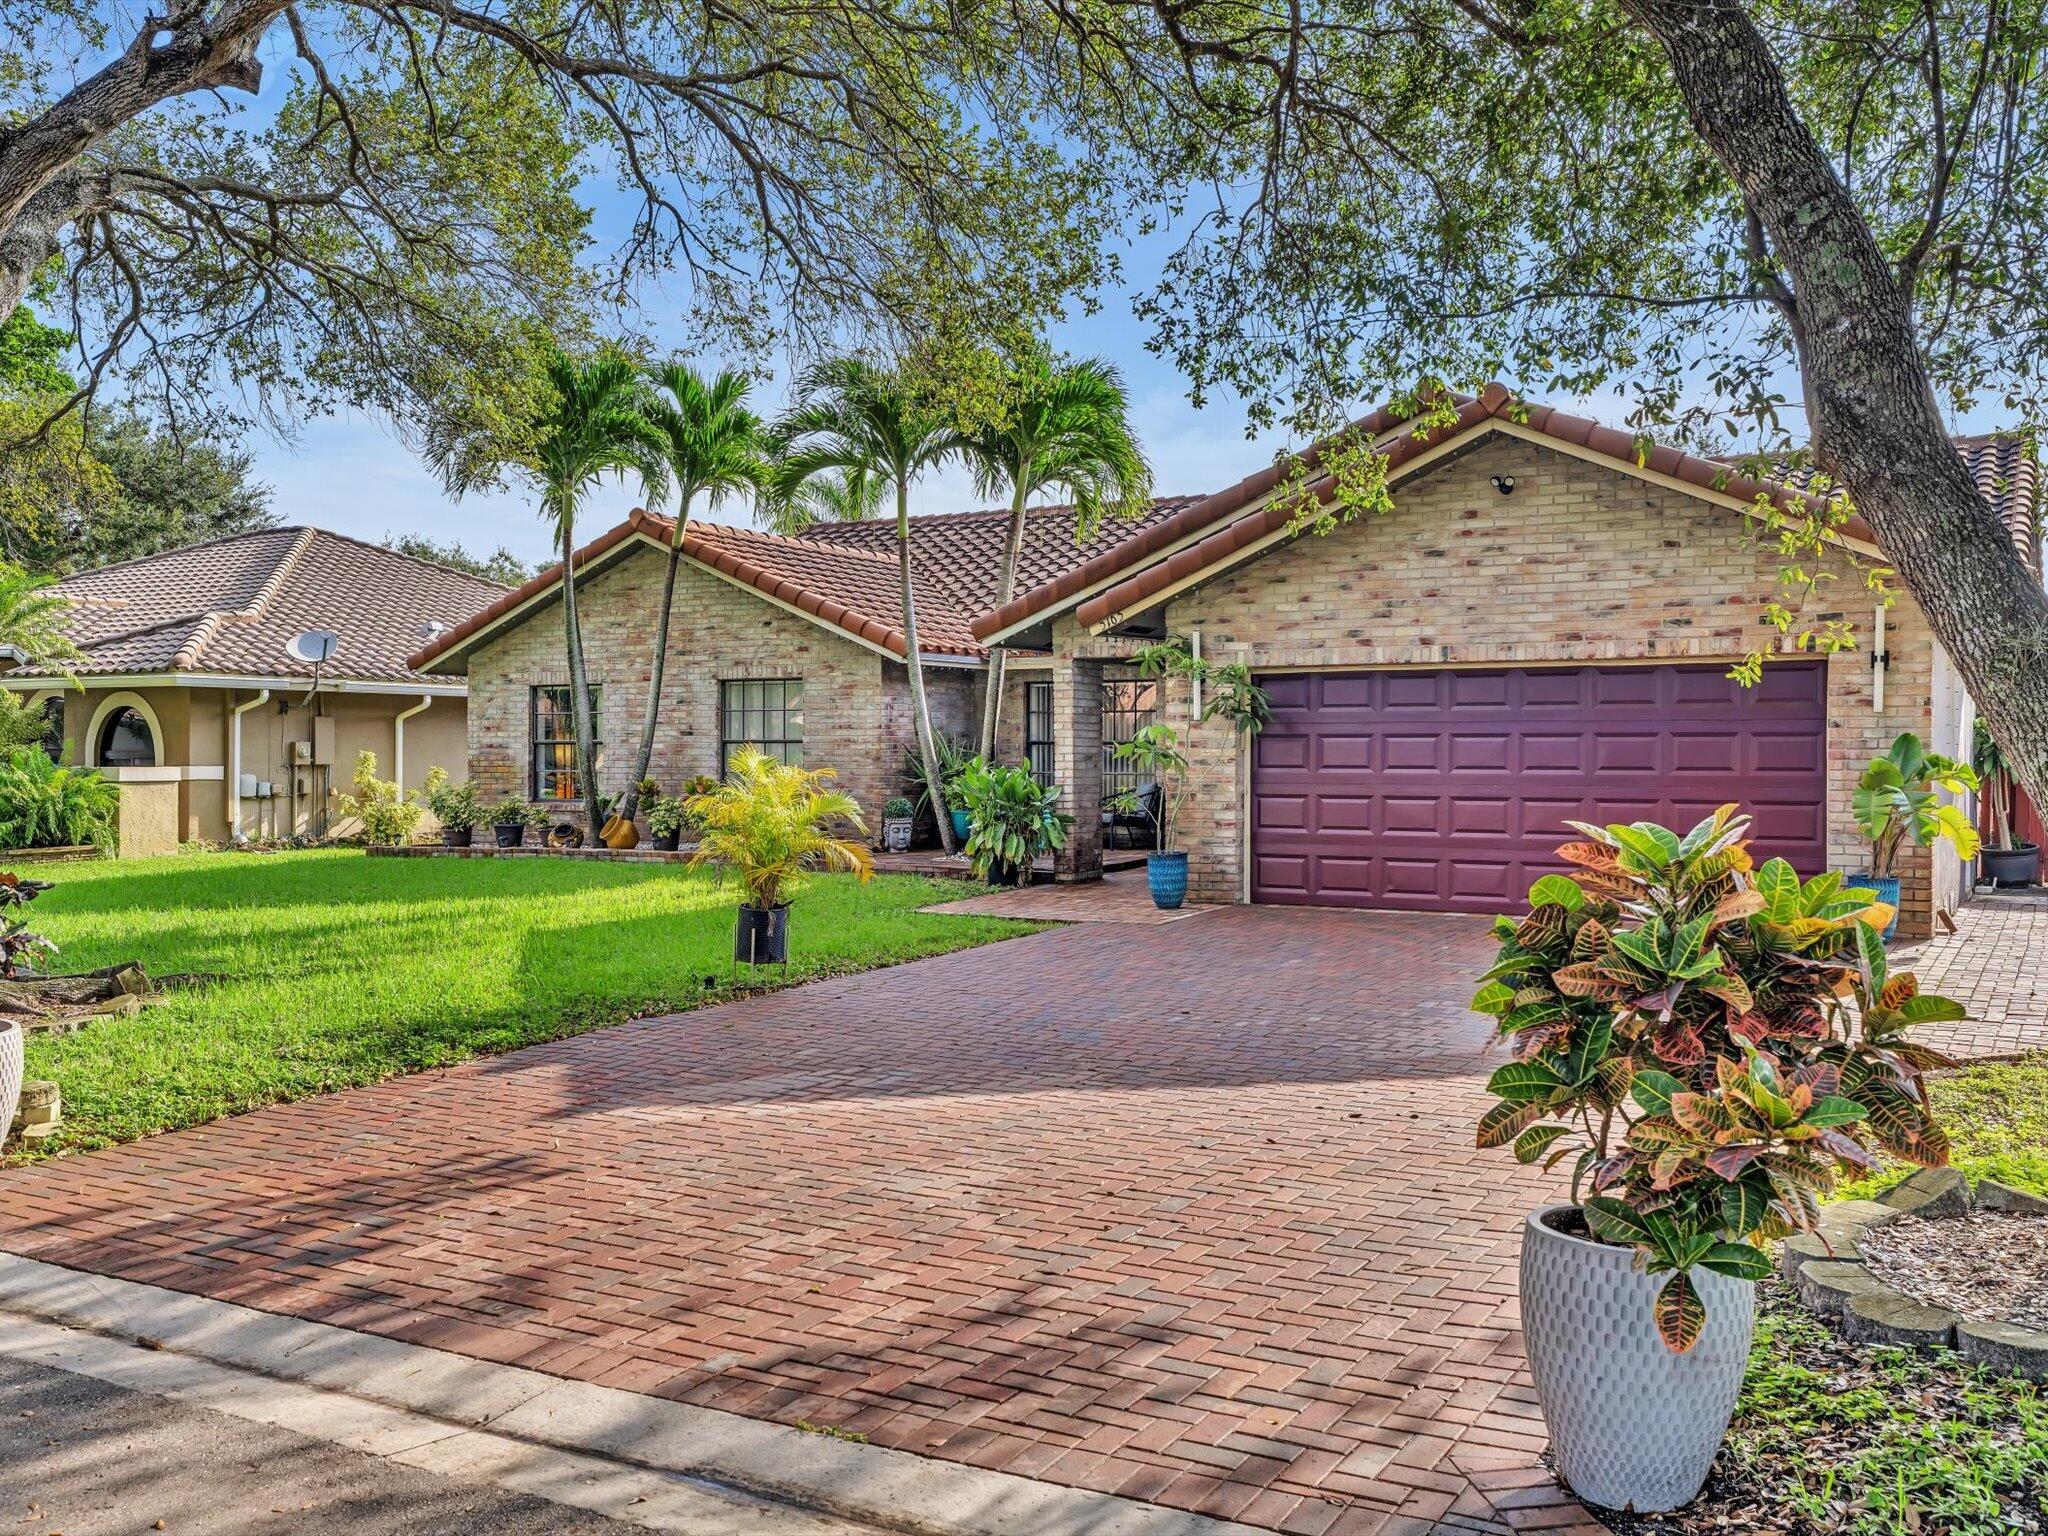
(1188, 1213)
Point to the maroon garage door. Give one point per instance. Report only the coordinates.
(1449, 791)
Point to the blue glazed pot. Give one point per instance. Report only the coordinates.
(1167, 874)
(961, 827)
(1887, 888)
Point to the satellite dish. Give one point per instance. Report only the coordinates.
(313, 645)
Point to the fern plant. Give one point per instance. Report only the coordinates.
(1711, 1044)
(45, 806)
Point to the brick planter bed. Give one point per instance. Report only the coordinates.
(1832, 1275)
(530, 851)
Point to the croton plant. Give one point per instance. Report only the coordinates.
(1713, 1043)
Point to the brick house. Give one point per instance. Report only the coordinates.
(1540, 629)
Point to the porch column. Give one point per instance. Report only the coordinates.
(1077, 764)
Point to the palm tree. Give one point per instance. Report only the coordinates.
(715, 448)
(594, 423)
(831, 496)
(865, 424)
(1068, 428)
(35, 623)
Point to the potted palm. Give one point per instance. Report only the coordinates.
(897, 824)
(2007, 861)
(1899, 796)
(1012, 819)
(1156, 751)
(769, 824)
(1708, 1046)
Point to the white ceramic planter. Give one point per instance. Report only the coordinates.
(10, 1076)
(1632, 1425)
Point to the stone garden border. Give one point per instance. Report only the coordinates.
(1827, 1271)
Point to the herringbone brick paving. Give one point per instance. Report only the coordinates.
(1996, 965)
(1186, 1213)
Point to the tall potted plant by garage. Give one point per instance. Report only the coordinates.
(1155, 750)
(1708, 1046)
(1012, 819)
(770, 824)
(1899, 796)
(2008, 861)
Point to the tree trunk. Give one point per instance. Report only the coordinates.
(927, 749)
(659, 669)
(1006, 584)
(579, 683)
(1875, 424)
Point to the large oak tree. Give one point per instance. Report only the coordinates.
(1814, 221)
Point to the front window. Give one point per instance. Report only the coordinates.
(765, 713)
(554, 744)
(126, 741)
(1038, 730)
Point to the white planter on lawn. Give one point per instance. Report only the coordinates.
(10, 1075)
(1632, 1425)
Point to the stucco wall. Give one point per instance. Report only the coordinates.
(1582, 562)
(194, 725)
(718, 633)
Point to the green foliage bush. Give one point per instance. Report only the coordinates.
(44, 806)
(388, 817)
(1011, 820)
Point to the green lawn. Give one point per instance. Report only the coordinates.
(1997, 1117)
(335, 969)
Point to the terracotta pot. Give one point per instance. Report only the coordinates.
(619, 832)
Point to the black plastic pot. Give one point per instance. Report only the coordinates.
(2011, 866)
(666, 841)
(456, 837)
(761, 936)
(510, 833)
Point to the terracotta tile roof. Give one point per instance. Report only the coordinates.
(229, 606)
(1229, 521)
(845, 574)
(958, 555)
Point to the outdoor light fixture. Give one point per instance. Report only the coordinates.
(1505, 484)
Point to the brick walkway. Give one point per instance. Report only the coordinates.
(1996, 965)
(1187, 1213)
(1122, 897)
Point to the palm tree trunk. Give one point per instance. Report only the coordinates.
(1006, 582)
(927, 749)
(579, 683)
(659, 668)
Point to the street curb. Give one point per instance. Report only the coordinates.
(871, 1484)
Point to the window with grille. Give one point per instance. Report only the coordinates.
(765, 713)
(1038, 730)
(554, 744)
(1129, 704)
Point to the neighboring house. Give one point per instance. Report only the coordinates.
(1540, 631)
(193, 701)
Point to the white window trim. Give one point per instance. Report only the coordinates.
(111, 704)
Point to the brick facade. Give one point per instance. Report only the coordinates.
(1581, 563)
(856, 703)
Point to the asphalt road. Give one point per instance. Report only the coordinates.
(81, 1458)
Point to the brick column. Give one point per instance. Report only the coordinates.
(1077, 764)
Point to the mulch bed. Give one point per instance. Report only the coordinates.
(1990, 1265)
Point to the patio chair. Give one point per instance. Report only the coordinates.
(1136, 827)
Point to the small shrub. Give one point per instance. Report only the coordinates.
(665, 815)
(1713, 1044)
(387, 816)
(513, 811)
(455, 806)
(44, 806)
(1011, 820)
(896, 809)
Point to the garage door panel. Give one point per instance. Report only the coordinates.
(1451, 790)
